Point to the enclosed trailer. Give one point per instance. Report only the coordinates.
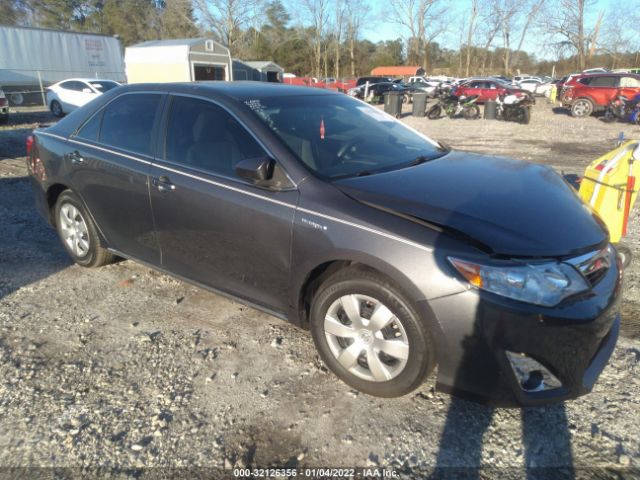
(180, 60)
(33, 58)
(268, 71)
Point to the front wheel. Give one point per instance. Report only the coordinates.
(78, 232)
(434, 112)
(472, 112)
(369, 334)
(624, 253)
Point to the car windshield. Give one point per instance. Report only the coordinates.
(337, 136)
(103, 85)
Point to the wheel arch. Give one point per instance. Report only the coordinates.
(53, 193)
(320, 271)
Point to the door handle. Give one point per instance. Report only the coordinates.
(163, 184)
(75, 157)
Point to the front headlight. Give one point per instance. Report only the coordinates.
(545, 284)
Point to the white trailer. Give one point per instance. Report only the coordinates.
(33, 58)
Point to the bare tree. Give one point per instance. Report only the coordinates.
(565, 21)
(340, 7)
(356, 13)
(471, 30)
(316, 14)
(423, 21)
(534, 9)
(228, 19)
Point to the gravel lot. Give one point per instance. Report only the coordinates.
(122, 368)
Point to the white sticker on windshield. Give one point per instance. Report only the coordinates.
(376, 114)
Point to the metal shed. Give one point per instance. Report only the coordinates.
(268, 71)
(179, 60)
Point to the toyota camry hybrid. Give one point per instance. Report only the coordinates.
(397, 253)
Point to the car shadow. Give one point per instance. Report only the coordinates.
(29, 247)
(561, 111)
(473, 443)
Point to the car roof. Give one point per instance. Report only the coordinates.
(243, 90)
(78, 79)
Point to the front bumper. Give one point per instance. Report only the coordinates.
(573, 341)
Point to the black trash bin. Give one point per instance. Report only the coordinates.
(419, 104)
(490, 110)
(393, 103)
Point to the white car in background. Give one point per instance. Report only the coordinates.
(65, 96)
(529, 84)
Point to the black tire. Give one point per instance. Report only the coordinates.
(581, 108)
(625, 254)
(609, 116)
(96, 255)
(355, 280)
(523, 115)
(56, 109)
(4, 119)
(471, 112)
(434, 112)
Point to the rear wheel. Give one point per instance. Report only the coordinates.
(78, 232)
(471, 112)
(56, 109)
(609, 116)
(523, 115)
(369, 335)
(434, 112)
(582, 107)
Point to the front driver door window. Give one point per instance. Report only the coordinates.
(212, 226)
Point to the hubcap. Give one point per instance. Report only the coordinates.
(74, 230)
(366, 338)
(581, 108)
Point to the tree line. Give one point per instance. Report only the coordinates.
(325, 38)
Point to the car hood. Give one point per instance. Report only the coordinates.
(511, 207)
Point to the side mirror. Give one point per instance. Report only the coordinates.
(256, 170)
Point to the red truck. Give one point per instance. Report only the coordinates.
(588, 93)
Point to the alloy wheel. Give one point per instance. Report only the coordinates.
(366, 338)
(581, 108)
(74, 230)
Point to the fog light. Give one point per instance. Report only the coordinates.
(532, 376)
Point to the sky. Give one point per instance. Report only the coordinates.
(384, 29)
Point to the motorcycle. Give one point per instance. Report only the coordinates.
(623, 109)
(454, 106)
(514, 107)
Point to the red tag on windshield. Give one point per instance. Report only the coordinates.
(321, 129)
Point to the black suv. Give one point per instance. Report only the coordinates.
(397, 253)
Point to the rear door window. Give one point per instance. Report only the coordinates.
(127, 122)
(91, 129)
(203, 135)
(604, 82)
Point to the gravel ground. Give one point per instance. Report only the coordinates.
(123, 369)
